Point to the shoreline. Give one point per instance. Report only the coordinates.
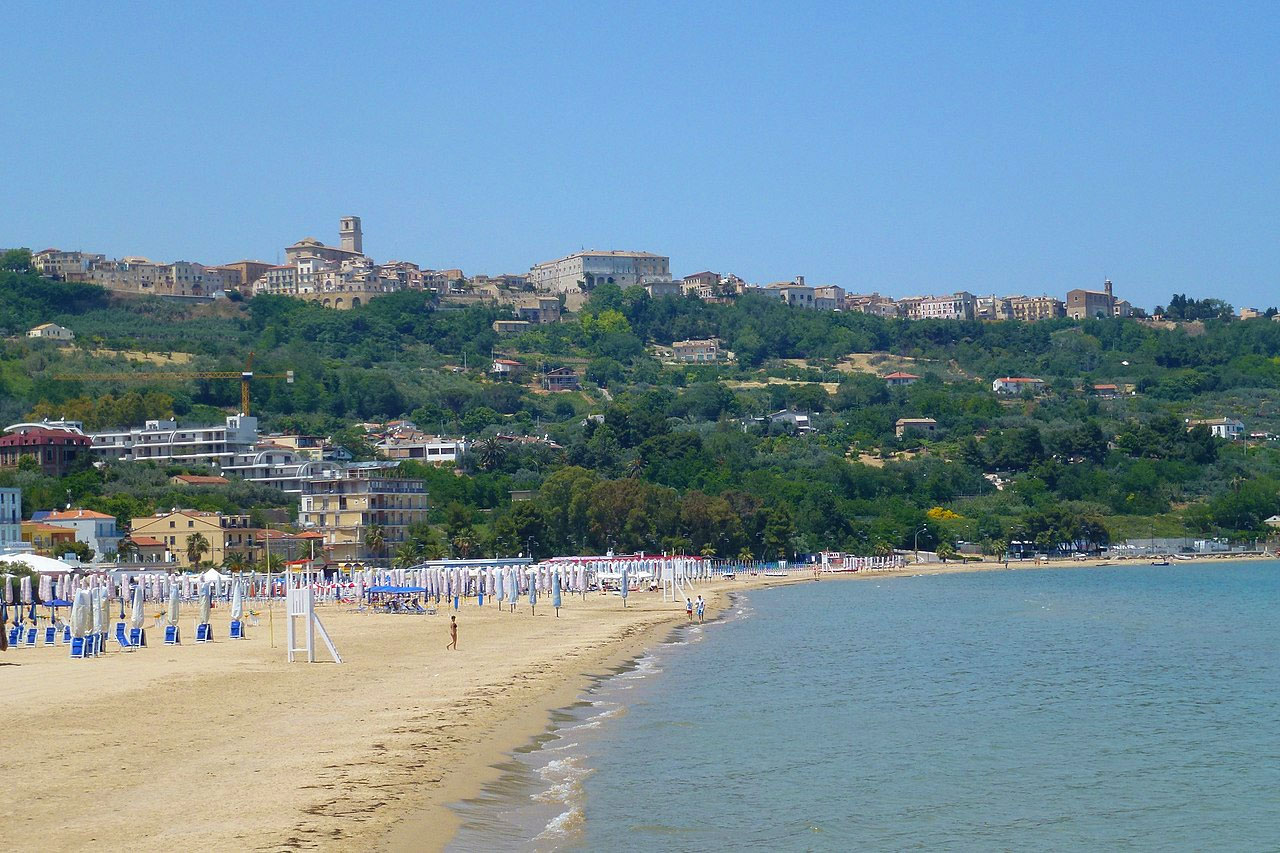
(225, 744)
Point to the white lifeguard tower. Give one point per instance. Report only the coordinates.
(301, 603)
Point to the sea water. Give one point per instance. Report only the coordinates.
(1132, 707)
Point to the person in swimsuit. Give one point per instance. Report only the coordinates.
(453, 633)
(701, 605)
(688, 609)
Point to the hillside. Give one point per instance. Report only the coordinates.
(682, 459)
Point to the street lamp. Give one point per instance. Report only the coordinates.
(923, 527)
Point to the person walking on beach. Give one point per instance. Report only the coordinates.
(701, 605)
(688, 608)
(453, 634)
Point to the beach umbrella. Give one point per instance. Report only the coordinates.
(136, 620)
(95, 610)
(533, 595)
(175, 600)
(625, 586)
(46, 587)
(80, 613)
(25, 589)
(206, 603)
(237, 602)
(555, 593)
(513, 589)
(499, 585)
(8, 589)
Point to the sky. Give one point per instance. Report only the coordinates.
(902, 148)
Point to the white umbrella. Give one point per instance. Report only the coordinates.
(8, 589)
(80, 618)
(174, 600)
(46, 588)
(25, 589)
(137, 615)
(95, 607)
(206, 603)
(237, 601)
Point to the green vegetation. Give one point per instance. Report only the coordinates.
(685, 457)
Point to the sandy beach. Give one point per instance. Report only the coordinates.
(226, 745)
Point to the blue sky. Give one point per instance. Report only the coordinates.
(1007, 148)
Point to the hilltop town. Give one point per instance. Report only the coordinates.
(338, 409)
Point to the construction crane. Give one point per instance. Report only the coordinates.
(245, 376)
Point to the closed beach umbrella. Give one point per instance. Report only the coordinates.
(555, 592)
(8, 589)
(136, 616)
(175, 599)
(513, 588)
(499, 585)
(46, 587)
(237, 602)
(533, 592)
(625, 586)
(80, 618)
(95, 608)
(26, 589)
(206, 603)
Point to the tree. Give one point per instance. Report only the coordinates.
(490, 452)
(236, 561)
(375, 539)
(197, 547)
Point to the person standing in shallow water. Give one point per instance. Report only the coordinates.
(453, 633)
(701, 605)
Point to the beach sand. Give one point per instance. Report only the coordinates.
(226, 745)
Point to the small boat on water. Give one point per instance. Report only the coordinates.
(1163, 561)
(775, 574)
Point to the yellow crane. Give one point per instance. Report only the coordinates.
(245, 376)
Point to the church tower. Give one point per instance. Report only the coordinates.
(352, 237)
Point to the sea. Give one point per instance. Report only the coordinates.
(1111, 708)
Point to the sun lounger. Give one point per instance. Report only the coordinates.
(204, 633)
(237, 630)
(14, 633)
(78, 647)
(137, 637)
(50, 635)
(172, 636)
(31, 637)
(121, 637)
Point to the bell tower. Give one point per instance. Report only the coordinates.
(352, 236)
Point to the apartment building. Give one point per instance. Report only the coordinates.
(961, 305)
(1029, 309)
(55, 448)
(538, 309)
(279, 467)
(64, 266)
(10, 519)
(829, 297)
(95, 529)
(345, 506)
(585, 270)
(422, 447)
(163, 442)
(225, 534)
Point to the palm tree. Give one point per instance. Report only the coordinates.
(708, 550)
(635, 468)
(237, 561)
(197, 547)
(271, 564)
(126, 551)
(408, 554)
(491, 453)
(375, 539)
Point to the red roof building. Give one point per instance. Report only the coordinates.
(54, 450)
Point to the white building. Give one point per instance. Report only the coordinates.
(961, 305)
(1016, 385)
(52, 332)
(1228, 428)
(795, 293)
(420, 447)
(10, 520)
(162, 442)
(95, 529)
(585, 270)
(282, 468)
